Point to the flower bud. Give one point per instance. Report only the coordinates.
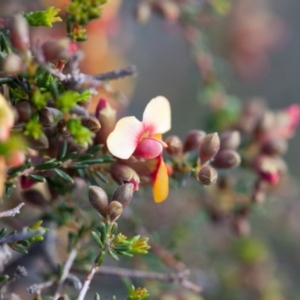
(19, 33)
(98, 199)
(12, 64)
(46, 117)
(207, 175)
(124, 194)
(34, 196)
(275, 146)
(57, 50)
(267, 168)
(124, 174)
(230, 140)
(40, 143)
(226, 159)
(107, 118)
(209, 147)
(114, 210)
(91, 123)
(174, 144)
(62, 128)
(24, 110)
(193, 140)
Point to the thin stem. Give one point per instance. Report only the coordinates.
(117, 74)
(65, 272)
(20, 236)
(12, 212)
(38, 287)
(87, 282)
(180, 277)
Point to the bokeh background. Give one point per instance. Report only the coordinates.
(165, 67)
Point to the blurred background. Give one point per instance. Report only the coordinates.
(263, 266)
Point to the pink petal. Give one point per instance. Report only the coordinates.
(148, 148)
(157, 115)
(124, 139)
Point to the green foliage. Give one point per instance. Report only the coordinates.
(39, 100)
(33, 128)
(137, 293)
(68, 99)
(18, 93)
(44, 17)
(82, 135)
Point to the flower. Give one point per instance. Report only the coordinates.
(144, 140)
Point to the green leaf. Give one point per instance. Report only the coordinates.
(101, 177)
(85, 157)
(37, 178)
(64, 175)
(97, 239)
(70, 156)
(44, 17)
(3, 232)
(48, 165)
(63, 150)
(78, 166)
(3, 278)
(19, 248)
(113, 254)
(97, 296)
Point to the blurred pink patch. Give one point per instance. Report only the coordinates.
(293, 112)
(253, 34)
(142, 139)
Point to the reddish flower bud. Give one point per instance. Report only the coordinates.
(114, 210)
(209, 147)
(57, 50)
(230, 139)
(26, 182)
(208, 175)
(193, 140)
(174, 145)
(98, 199)
(62, 128)
(24, 110)
(267, 169)
(124, 194)
(107, 117)
(46, 117)
(226, 159)
(124, 174)
(19, 33)
(275, 146)
(91, 123)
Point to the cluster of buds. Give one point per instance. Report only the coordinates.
(112, 210)
(214, 152)
(268, 132)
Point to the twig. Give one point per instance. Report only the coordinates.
(12, 212)
(38, 287)
(180, 277)
(65, 272)
(87, 282)
(20, 236)
(117, 74)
